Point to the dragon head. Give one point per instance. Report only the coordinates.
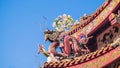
(51, 35)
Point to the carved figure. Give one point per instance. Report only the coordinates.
(69, 45)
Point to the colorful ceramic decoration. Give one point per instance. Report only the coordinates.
(63, 22)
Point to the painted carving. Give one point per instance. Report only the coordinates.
(69, 45)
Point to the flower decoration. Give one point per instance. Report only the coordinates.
(63, 22)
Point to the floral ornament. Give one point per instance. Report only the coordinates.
(63, 22)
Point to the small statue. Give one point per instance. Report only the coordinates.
(50, 57)
(83, 40)
(41, 49)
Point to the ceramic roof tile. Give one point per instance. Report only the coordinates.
(89, 57)
(66, 64)
(106, 49)
(95, 54)
(78, 60)
(55, 64)
(72, 62)
(60, 64)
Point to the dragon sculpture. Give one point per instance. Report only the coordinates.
(91, 42)
(69, 45)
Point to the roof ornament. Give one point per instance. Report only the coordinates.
(63, 22)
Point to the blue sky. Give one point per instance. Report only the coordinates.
(20, 31)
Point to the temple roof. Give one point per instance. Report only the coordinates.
(81, 59)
